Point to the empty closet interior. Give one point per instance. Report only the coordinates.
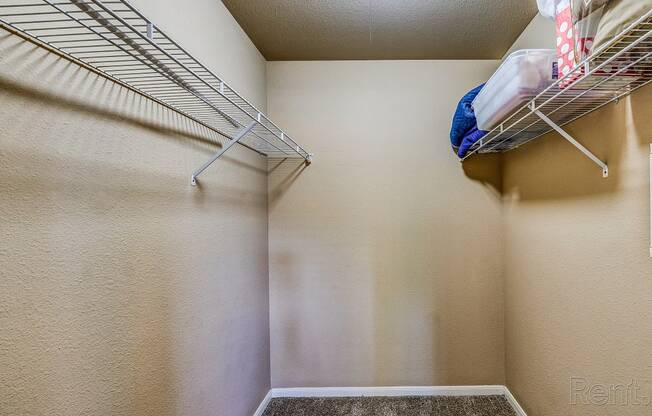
(279, 208)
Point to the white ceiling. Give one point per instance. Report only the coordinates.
(382, 29)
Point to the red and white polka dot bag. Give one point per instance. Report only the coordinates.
(576, 30)
(572, 47)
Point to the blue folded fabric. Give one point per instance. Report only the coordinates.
(472, 136)
(464, 118)
(464, 131)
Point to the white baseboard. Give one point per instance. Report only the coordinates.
(263, 404)
(391, 391)
(512, 401)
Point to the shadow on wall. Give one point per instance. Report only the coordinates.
(283, 172)
(86, 301)
(577, 259)
(486, 169)
(551, 168)
(70, 87)
(75, 88)
(641, 122)
(552, 160)
(112, 253)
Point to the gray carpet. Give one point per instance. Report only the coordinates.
(391, 406)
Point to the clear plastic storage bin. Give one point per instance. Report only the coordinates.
(520, 78)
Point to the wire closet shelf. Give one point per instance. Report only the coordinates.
(615, 70)
(115, 39)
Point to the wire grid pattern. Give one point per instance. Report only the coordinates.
(115, 39)
(615, 70)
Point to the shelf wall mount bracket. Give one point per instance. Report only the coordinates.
(236, 139)
(571, 140)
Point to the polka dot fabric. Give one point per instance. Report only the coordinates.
(566, 43)
(573, 46)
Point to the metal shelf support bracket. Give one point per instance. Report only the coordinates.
(239, 136)
(578, 145)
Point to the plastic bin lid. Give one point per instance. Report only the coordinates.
(515, 55)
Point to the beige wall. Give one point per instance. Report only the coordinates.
(577, 265)
(539, 34)
(123, 290)
(385, 259)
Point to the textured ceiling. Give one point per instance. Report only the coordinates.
(382, 29)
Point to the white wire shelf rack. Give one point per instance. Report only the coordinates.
(117, 41)
(615, 70)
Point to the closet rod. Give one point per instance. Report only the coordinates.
(115, 40)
